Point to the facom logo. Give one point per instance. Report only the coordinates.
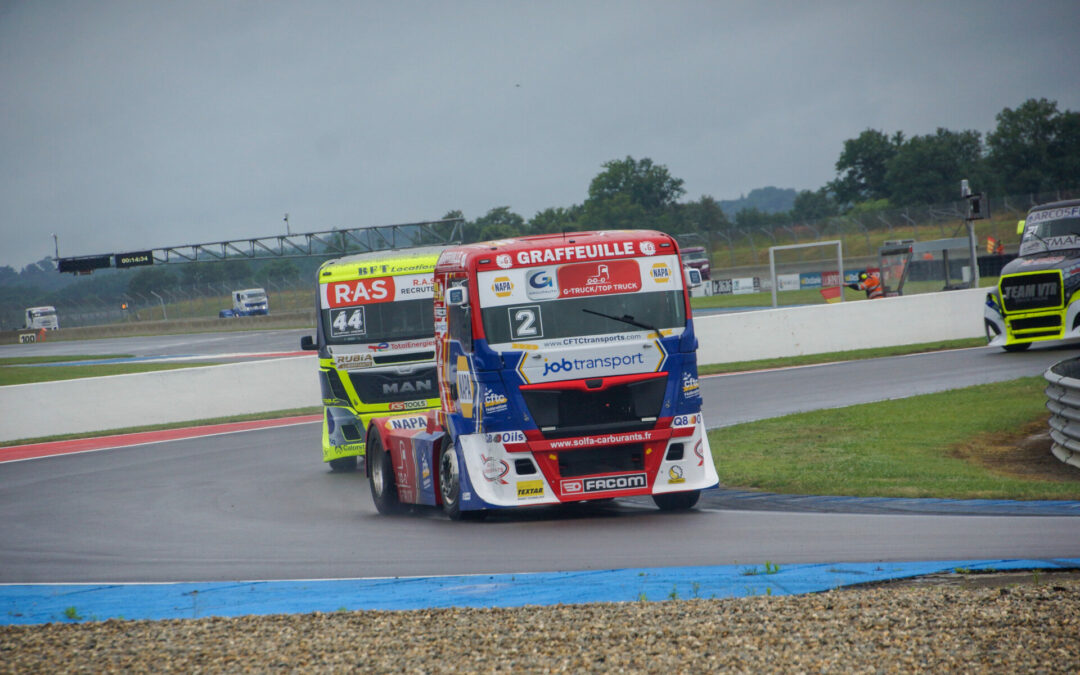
(661, 273)
(606, 483)
(502, 287)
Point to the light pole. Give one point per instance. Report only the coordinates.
(287, 231)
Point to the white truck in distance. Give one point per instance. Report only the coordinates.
(41, 317)
(248, 302)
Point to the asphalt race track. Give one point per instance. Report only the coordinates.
(261, 505)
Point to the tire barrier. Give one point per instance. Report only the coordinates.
(1063, 402)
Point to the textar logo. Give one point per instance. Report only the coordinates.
(661, 273)
(379, 347)
(504, 261)
(502, 287)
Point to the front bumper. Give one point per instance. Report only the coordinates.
(1005, 329)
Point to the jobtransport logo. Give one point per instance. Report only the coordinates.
(607, 362)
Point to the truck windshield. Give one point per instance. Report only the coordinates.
(254, 297)
(1045, 232)
(41, 313)
(565, 318)
(693, 255)
(379, 322)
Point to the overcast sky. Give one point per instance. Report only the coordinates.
(132, 125)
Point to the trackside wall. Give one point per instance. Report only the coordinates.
(843, 326)
(117, 401)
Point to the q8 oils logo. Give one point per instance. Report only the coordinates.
(502, 287)
(660, 273)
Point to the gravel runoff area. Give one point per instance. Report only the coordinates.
(1018, 622)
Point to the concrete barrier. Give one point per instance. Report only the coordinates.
(119, 401)
(843, 326)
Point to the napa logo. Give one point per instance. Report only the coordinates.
(661, 273)
(407, 423)
(541, 285)
(502, 287)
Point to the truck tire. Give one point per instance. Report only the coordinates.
(343, 464)
(450, 485)
(676, 501)
(381, 479)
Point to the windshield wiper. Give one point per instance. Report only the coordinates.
(625, 318)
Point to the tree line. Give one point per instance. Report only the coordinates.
(1034, 148)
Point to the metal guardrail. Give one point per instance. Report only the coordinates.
(1063, 402)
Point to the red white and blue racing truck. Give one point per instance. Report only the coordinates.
(567, 372)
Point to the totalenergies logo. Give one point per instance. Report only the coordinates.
(661, 273)
(502, 287)
(379, 347)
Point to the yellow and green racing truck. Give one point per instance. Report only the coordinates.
(1038, 294)
(375, 337)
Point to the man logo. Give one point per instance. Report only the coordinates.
(414, 387)
(502, 287)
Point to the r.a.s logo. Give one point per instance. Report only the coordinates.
(661, 273)
(541, 285)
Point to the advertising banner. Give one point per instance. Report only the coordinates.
(721, 286)
(744, 285)
(810, 280)
(830, 278)
(787, 282)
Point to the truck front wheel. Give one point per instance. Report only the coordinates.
(676, 501)
(450, 485)
(381, 478)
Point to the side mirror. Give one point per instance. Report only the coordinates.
(1020, 226)
(457, 296)
(308, 344)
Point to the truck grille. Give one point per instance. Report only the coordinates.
(1031, 323)
(391, 387)
(1026, 292)
(569, 412)
(613, 459)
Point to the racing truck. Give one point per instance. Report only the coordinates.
(1036, 295)
(248, 302)
(36, 318)
(567, 372)
(375, 338)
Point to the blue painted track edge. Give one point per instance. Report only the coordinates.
(70, 603)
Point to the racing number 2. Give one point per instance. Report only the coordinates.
(525, 322)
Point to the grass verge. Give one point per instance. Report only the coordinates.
(30, 360)
(32, 374)
(292, 412)
(947, 445)
(830, 357)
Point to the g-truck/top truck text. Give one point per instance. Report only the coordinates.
(1036, 297)
(375, 338)
(567, 372)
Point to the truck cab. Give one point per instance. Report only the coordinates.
(376, 345)
(250, 302)
(45, 317)
(1037, 297)
(567, 372)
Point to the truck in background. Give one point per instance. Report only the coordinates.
(567, 372)
(36, 318)
(375, 338)
(698, 258)
(248, 302)
(1037, 297)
